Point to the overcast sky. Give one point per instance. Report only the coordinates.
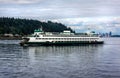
(73, 13)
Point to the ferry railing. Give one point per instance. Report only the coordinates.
(69, 36)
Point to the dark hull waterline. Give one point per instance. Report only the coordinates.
(62, 43)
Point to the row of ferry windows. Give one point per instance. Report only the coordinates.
(65, 38)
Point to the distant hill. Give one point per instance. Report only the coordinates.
(27, 26)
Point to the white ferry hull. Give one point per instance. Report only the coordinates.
(32, 41)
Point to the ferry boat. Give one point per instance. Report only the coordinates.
(64, 38)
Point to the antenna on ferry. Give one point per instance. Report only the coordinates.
(89, 30)
(41, 28)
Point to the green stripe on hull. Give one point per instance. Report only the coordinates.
(64, 43)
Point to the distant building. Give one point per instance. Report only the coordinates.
(105, 34)
(110, 34)
(8, 35)
(16, 35)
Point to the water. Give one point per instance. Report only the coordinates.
(84, 61)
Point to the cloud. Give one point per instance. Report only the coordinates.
(97, 24)
(80, 13)
(70, 8)
(19, 1)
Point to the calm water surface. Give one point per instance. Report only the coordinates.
(84, 61)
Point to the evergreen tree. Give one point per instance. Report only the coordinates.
(27, 26)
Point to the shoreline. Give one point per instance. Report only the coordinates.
(10, 38)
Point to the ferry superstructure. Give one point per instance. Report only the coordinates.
(64, 38)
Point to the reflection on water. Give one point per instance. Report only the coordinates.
(62, 54)
(84, 61)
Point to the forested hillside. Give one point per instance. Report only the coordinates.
(27, 26)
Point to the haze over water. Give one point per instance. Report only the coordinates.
(84, 61)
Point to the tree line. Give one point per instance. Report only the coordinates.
(27, 26)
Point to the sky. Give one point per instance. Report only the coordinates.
(98, 15)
